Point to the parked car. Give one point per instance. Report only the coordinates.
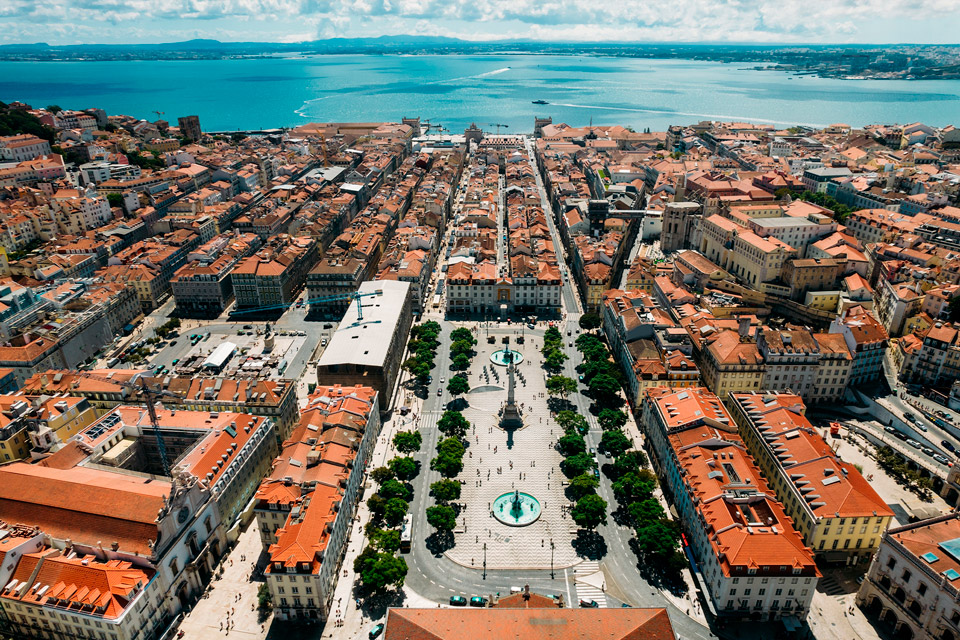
(458, 601)
(900, 435)
(913, 443)
(941, 459)
(909, 417)
(949, 447)
(890, 430)
(478, 601)
(323, 342)
(589, 604)
(376, 631)
(927, 451)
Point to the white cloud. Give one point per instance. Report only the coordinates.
(630, 20)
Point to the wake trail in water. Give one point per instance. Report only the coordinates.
(487, 74)
(685, 113)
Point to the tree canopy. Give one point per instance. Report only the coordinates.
(453, 424)
(590, 511)
(590, 321)
(445, 490)
(442, 517)
(394, 511)
(379, 570)
(611, 419)
(395, 489)
(408, 441)
(582, 485)
(458, 385)
(576, 465)
(405, 468)
(571, 444)
(561, 385)
(615, 443)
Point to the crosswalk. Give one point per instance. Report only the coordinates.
(585, 591)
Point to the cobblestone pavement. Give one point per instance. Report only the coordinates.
(493, 467)
(222, 614)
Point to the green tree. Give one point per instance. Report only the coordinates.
(658, 539)
(442, 517)
(576, 465)
(446, 465)
(588, 341)
(386, 540)
(394, 511)
(571, 444)
(408, 441)
(458, 385)
(589, 512)
(395, 489)
(593, 368)
(263, 597)
(460, 362)
(634, 487)
(453, 424)
(379, 570)
(572, 421)
(611, 419)
(376, 504)
(604, 386)
(405, 468)
(554, 359)
(561, 385)
(445, 490)
(451, 446)
(615, 443)
(115, 199)
(421, 372)
(582, 485)
(462, 346)
(463, 334)
(54, 108)
(590, 321)
(646, 511)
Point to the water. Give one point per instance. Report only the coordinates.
(458, 90)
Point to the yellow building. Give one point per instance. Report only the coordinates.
(34, 423)
(834, 508)
(732, 364)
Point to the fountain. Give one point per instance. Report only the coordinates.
(505, 356)
(516, 509)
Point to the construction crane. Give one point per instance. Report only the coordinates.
(353, 295)
(323, 147)
(159, 113)
(497, 125)
(150, 396)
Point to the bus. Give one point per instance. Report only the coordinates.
(406, 534)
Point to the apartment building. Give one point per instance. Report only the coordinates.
(791, 359)
(275, 275)
(107, 388)
(896, 304)
(756, 260)
(754, 564)
(305, 507)
(23, 147)
(30, 425)
(336, 279)
(731, 362)
(911, 589)
(866, 340)
(833, 507)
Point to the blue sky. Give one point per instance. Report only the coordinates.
(769, 21)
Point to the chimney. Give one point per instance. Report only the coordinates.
(744, 326)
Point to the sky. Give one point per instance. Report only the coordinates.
(754, 21)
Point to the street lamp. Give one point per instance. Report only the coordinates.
(484, 560)
(552, 574)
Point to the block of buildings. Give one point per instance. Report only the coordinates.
(834, 508)
(305, 507)
(368, 345)
(754, 563)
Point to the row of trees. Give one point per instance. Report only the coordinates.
(379, 567)
(896, 466)
(599, 373)
(168, 327)
(448, 463)
(423, 344)
(589, 510)
(657, 538)
(461, 348)
(553, 355)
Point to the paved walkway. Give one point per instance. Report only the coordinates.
(209, 618)
(493, 467)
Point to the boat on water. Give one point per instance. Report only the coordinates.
(540, 102)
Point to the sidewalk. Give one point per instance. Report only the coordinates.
(209, 618)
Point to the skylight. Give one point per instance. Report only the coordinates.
(930, 557)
